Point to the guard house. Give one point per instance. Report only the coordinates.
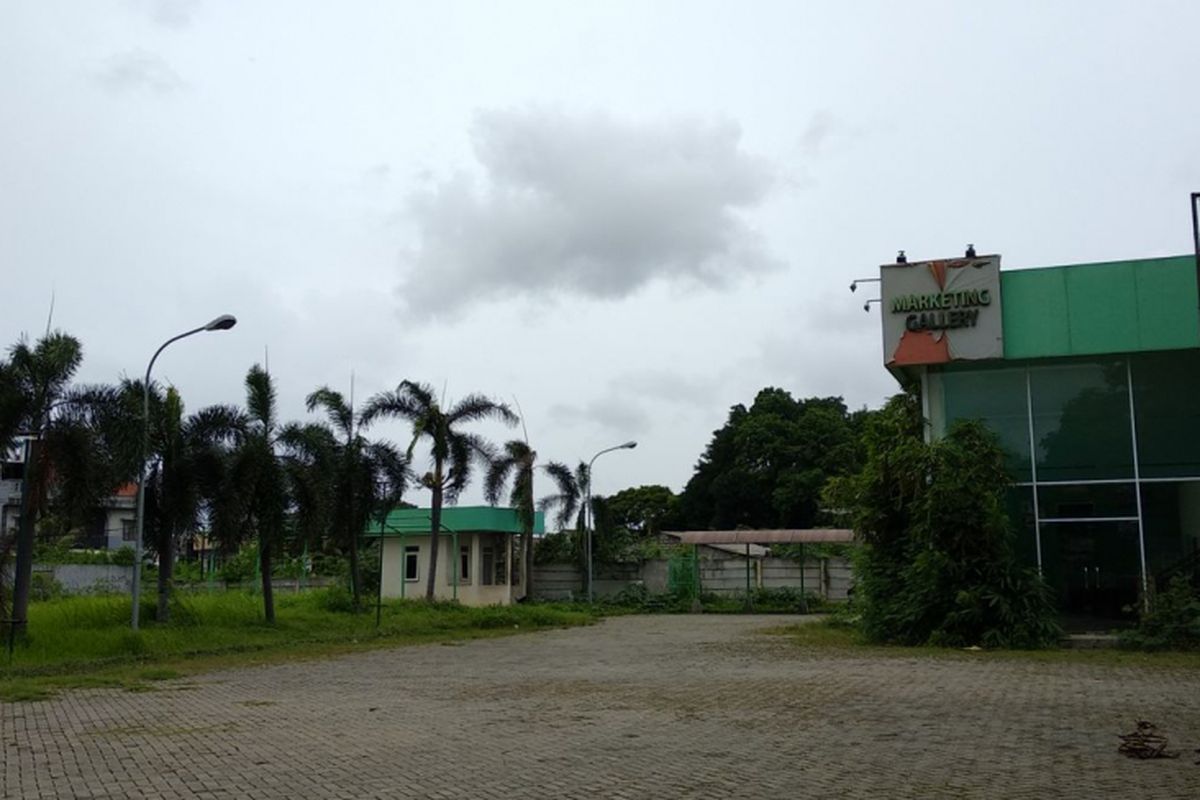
(477, 558)
(1089, 374)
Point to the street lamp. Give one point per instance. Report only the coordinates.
(221, 323)
(587, 509)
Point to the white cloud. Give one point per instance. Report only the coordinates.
(587, 205)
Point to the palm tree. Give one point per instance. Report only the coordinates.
(451, 450)
(517, 459)
(187, 477)
(39, 402)
(572, 490)
(254, 492)
(368, 480)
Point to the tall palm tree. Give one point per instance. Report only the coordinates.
(254, 492)
(39, 402)
(451, 449)
(189, 452)
(368, 480)
(517, 459)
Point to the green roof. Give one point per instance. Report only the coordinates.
(1111, 307)
(461, 519)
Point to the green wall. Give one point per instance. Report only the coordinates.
(1089, 309)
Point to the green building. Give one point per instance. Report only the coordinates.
(1090, 376)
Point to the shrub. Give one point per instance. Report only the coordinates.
(44, 586)
(937, 565)
(1173, 622)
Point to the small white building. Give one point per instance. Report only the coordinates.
(478, 550)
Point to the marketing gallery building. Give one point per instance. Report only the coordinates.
(1089, 374)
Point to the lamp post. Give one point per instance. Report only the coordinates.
(221, 323)
(587, 509)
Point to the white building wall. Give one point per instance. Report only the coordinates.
(469, 592)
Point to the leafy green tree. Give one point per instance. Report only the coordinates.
(937, 564)
(645, 510)
(452, 451)
(767, 466)
(362, 479)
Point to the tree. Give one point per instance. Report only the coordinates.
(517, 459)
(39, 402)
(254, 491)
(572, 490)
(766, 467)
(645, 510)
(452, 451)
(361, 479)
(188, 460)
(937, 564)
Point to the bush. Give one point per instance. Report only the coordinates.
(241, 566)
(44, 587)
(336, 598)
(937, 565)
(1173, 622)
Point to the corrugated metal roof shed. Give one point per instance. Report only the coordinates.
(778, 536)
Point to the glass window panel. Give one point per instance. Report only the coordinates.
(1020, 514)
(1087, 500)
(1171, 520)
(1166, 388)
(997, 397)
(1081, 421)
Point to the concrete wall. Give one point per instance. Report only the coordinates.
(720, 573)
(83, 578)
(472, 591)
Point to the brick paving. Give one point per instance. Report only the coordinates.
(635, 707)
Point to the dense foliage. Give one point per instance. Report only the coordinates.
(1173, 623)
(937, 564)
(767, 466)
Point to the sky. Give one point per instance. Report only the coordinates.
(622, 217)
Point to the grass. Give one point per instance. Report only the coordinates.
(81, 642)
(831, 637)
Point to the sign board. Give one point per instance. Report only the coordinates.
(940, 311)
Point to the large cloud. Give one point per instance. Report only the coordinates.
(586, 205)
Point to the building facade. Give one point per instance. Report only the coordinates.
(1089, 374)
(478, 551)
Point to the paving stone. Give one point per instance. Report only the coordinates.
(635, 707)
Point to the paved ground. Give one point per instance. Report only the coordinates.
(636, 707)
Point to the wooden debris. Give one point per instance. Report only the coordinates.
(1145, 742)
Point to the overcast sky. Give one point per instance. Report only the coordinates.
(629, 216)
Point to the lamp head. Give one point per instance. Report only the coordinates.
(629, 445)
(854, 286)
(221, 323)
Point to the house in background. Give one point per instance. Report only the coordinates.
(478, 548)
(110, 527)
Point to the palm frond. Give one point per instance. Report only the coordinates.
(478, 407)
(336, 409)
(260, 398)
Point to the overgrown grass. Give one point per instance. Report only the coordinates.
(86, 641)
(831, 636)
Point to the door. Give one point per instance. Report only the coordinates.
(1095, 569)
